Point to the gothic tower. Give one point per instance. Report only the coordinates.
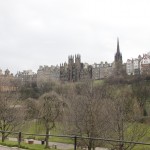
(70, 67)
(118, 55)
(77, 67)
(118, 60)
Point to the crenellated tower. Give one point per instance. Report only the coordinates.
(70, 67)
(77, 67)
(75, 70)
(70, 60)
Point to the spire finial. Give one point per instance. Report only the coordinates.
(118, 48)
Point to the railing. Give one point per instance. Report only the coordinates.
(74, 138)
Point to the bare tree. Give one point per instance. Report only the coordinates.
(141, 92)
(106, 111)
(50, 109)
(31, 107)
(11, 113)
(122, 118)
(86, 116)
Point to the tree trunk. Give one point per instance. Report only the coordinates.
(89, 148)
(47, 138)
(3, 137)
(93, 146)
(120, 146)
(90, 145)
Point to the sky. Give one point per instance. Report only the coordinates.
(46, 32)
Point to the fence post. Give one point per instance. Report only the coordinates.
(75, 142)
(19, 139)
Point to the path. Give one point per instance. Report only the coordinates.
(61, 146)
(9, 148)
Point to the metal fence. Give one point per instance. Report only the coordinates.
(77, 140)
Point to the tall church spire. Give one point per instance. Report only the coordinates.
(118, 60)
(118, 55)
(118, 48)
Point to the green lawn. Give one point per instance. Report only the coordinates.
(98, 82)
(35, 128)
(142, 147)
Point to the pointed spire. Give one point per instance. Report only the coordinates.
(118, 48)
(118, 55)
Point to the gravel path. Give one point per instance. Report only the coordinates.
(61, 146)
(9, 148)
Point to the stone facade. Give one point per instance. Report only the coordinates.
(45, 74)
(133, 66)
(140, 65)
(102, 70)
(26, 77)
(64, 72)
(75, 70)
(145, 64)
(7, 82)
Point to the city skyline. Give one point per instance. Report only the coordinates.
(34, 33)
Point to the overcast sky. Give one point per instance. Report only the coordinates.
(45, 32)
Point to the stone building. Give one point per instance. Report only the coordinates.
(46, 74)
(145, 64)
(64, 72)
(86, 72)
(102, 70)
(133, 66)
(105, 70)
(26, 77)
(7, 82)
(140, 65)
(75, 70)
